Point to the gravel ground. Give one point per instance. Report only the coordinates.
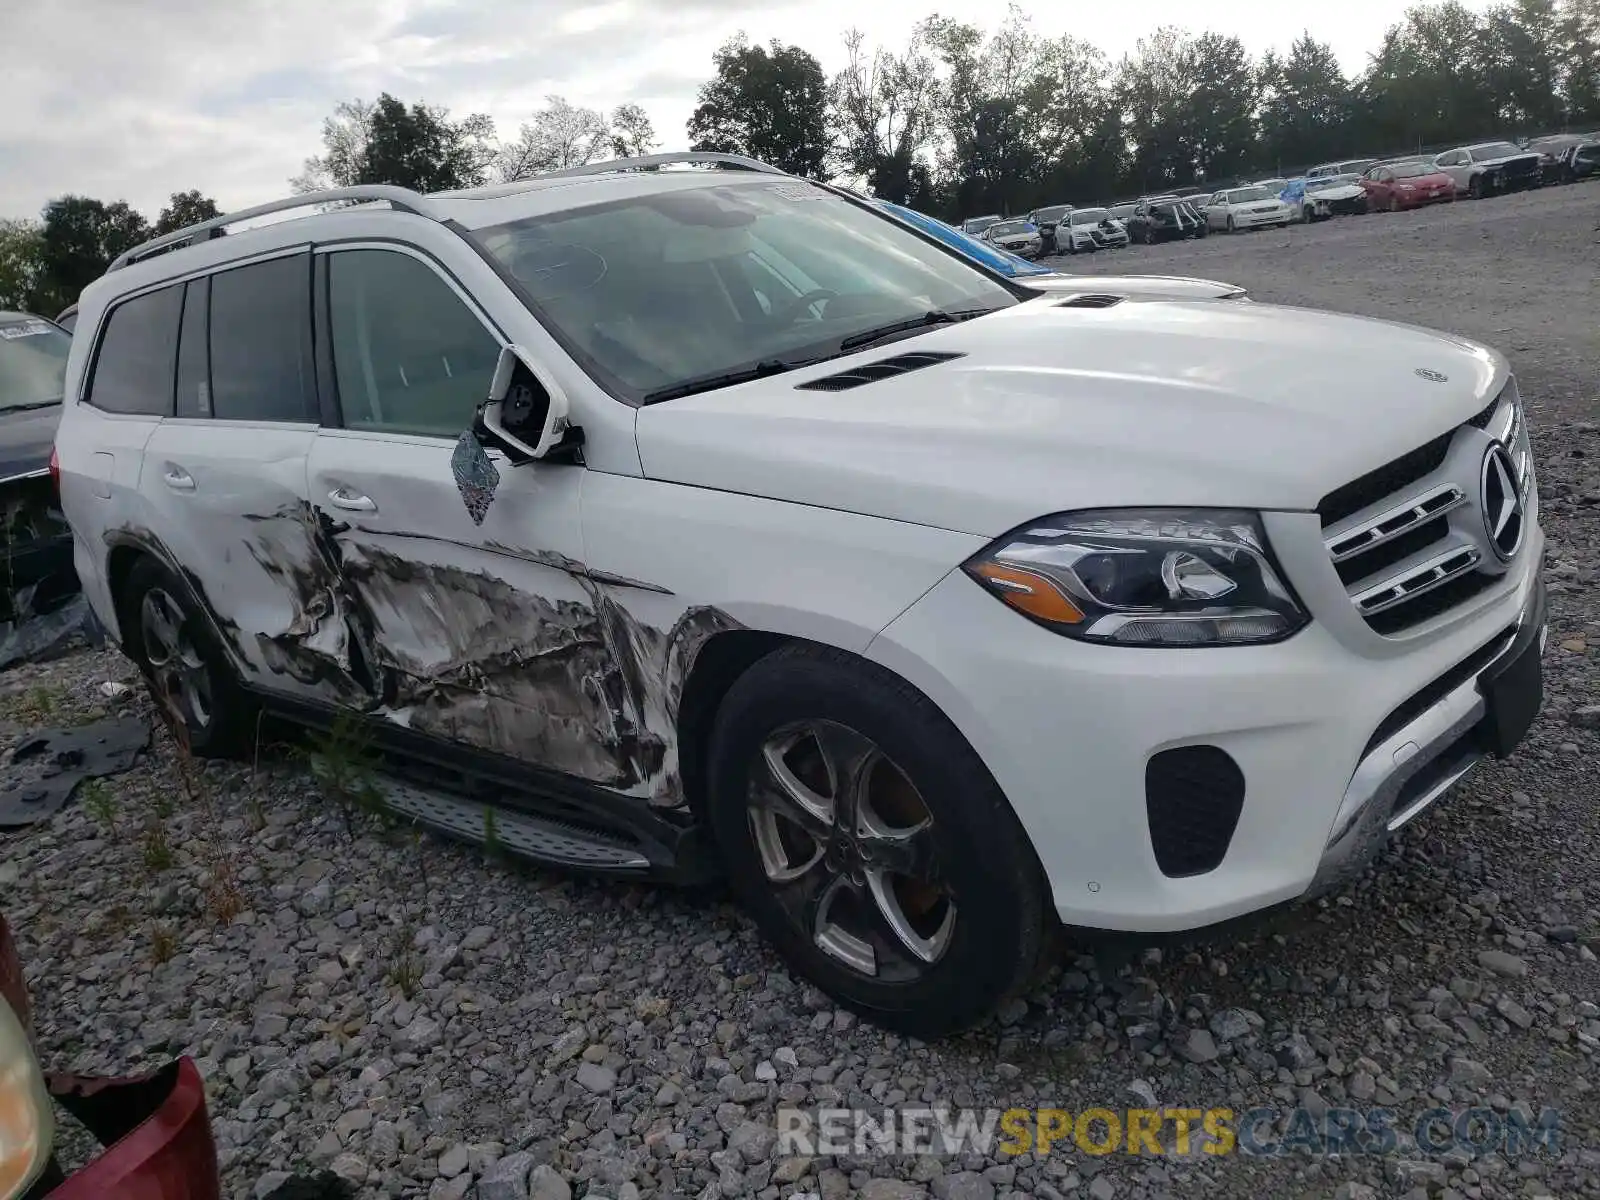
(423, 1020)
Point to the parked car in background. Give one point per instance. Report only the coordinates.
(1246, 208)
(1273, 185)
(1395, 186)
(154, 1127)
(1490, 167)
(976, 225)
(980, 251)
(67, 317)
(1122, 211)
(1550, 150)
(1018, 236)
(1579, 160)
(37, 555)
(1046, 219)
(1164, 219)
(1349, 166)
(1088, 229)
(1038, 276)
(1325, 197)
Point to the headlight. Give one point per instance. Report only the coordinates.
(27, 1120)
(1144, 577)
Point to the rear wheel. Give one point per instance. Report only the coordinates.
(870, 843)
(184, 668)
(1232, 228)
(1475, 187)
(1394, 204)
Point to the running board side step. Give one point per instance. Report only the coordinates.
(522, 835)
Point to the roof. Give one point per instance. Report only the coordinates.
(477, 207)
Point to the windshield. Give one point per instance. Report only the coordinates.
(977, 224)
(1120, 211)
(660, 291)
(1009, 227)
(1052, 214)
(1495, 150)
(33, 363)
(1412, 170)
(1088, 216)
(1246, 195)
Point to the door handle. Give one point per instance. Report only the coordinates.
(176, 478)
(347, 498)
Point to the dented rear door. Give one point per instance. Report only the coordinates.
(487, 634)
(224, 477)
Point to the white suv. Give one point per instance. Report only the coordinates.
(708, 520)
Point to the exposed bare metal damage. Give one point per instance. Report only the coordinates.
(574, 684)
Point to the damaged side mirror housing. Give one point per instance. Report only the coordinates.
(525, 413)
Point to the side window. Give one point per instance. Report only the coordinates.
(194, 364)
(261, 366)
(408, 354)
(133, 372)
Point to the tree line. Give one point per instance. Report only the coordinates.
(958, 120)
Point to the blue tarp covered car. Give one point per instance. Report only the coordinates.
(986, 253)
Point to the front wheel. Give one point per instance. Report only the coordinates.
(184, 668)
(1232, 228)
(1475, 187)
(870, 844)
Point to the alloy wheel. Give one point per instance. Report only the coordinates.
(846, 844)
(178, 671)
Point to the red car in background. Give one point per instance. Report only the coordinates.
(155, 1130)
(1394, 186)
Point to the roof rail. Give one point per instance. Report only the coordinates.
(738, 162)
(403, 199)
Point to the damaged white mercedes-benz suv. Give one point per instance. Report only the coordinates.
(698, 520)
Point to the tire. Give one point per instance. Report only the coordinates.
(216, 716)
(1232, 228)
(1394, 205)
(1475, 187)
(982, 924)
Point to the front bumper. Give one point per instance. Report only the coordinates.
(1068, 731)
(1261, 219)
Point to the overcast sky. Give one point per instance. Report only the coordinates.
(134, 99)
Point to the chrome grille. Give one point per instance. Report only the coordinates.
(1408, 540)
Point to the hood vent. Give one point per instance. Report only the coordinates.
(1090, 300)
(872, 372)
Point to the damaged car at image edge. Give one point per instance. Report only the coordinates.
(751, 551)
(154, 1127)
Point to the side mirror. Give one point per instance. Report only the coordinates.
(525, 413)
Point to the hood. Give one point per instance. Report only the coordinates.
(26, 439)
(1176, 286)
(1147, 402)
(1507, 158)
(1345, 191)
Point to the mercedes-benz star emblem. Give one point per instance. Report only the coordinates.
(1434, 376)
(1502, 502)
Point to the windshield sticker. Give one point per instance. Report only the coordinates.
(25, 329)
(802, 191)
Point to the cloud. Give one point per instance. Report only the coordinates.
(134, 101)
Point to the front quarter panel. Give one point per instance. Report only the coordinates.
(682, 562)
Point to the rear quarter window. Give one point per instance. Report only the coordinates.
(133, 368)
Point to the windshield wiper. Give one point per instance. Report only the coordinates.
(937, 316)
(710, 383)
(31, 405)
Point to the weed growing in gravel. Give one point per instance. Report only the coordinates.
(405, 971)
(344, 765)
(35, 706)
(97, 802)
(163, 943)
(154, 847)
(493, 848)
(224, 898)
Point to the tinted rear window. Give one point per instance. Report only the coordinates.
(133, 372)
(261, 367)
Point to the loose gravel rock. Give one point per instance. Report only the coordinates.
(424, 1022)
